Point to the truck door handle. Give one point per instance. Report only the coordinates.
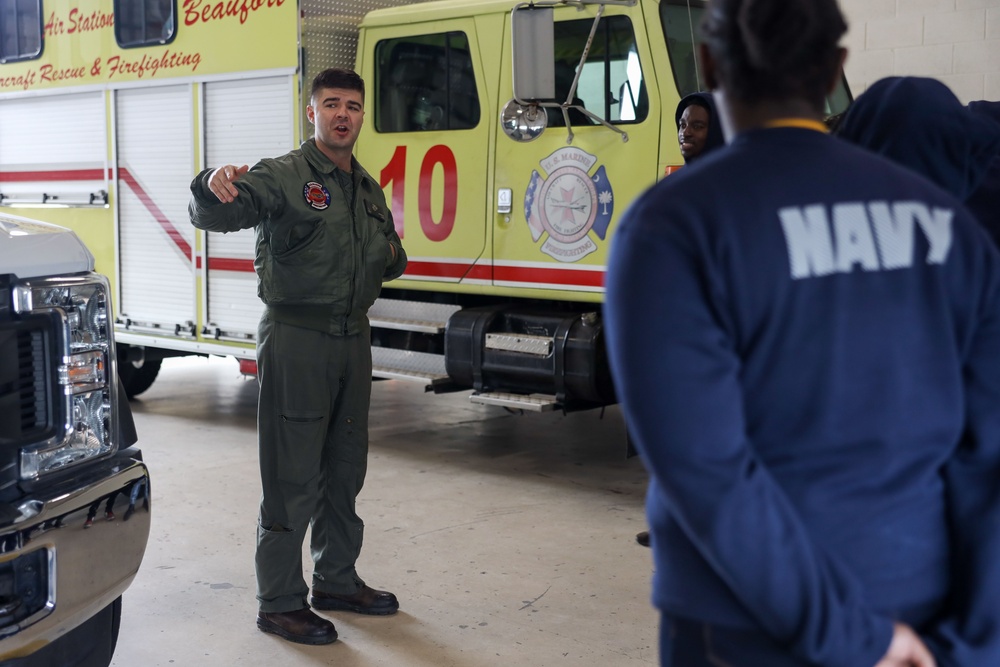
(505, 199)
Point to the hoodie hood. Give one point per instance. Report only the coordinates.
(715, 138)
(920, 124)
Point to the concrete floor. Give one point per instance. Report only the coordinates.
(509, 539)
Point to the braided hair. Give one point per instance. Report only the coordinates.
(775, 49)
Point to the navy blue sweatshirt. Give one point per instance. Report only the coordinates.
(805, 339)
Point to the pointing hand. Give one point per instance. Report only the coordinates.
(221, 182)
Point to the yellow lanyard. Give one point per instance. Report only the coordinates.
(804, 123)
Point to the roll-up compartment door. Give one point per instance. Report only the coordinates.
(53, 150)
(156, 240)
(245, 121)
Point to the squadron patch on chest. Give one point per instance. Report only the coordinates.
(316, 195)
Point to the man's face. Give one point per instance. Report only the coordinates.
(692, 132)
(337, 114)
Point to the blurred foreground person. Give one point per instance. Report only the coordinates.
(920, 124)
(812, 379)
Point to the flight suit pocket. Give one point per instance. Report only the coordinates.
(377, 228)
(302, 434)
(293, 245)
(377, 254)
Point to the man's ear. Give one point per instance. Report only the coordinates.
(311, 114)
(708, 68)
(841, 59)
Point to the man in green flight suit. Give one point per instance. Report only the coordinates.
(325, 243)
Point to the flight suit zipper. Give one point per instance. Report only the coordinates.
(354, 253)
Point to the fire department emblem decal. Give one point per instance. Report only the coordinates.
(569, 204)
(316, 195)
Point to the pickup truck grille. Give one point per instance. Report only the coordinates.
(31, 380)
(24, 374)
(28, 393)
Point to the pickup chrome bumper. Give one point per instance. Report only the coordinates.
(72, 550)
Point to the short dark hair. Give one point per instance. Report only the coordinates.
(336, 77)
(771, 49)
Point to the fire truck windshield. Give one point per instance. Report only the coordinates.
(681, 20)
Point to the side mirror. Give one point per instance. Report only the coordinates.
(533, 44)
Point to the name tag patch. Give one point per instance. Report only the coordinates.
(374, 211)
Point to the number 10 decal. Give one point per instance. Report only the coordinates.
(395, 173)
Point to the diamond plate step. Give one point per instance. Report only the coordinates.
(395, 364)
(532, 402)
(420, 316)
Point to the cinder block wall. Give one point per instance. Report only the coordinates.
(956, 41)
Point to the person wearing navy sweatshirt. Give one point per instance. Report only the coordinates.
(805, 339)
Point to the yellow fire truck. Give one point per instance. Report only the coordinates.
(509, 137)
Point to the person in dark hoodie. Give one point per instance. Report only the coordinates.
(920, 124)
(698, 132)
(812, 379)
(698, 128)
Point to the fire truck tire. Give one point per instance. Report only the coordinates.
(137, 377)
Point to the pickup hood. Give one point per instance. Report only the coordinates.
(30, 249)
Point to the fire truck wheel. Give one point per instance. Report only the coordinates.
(137, 377)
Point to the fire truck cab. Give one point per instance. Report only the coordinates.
(509, 138)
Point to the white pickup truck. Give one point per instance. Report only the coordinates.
(74, 497)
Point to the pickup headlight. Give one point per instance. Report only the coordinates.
(85, 399)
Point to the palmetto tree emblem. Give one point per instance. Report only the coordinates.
(605, 197)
